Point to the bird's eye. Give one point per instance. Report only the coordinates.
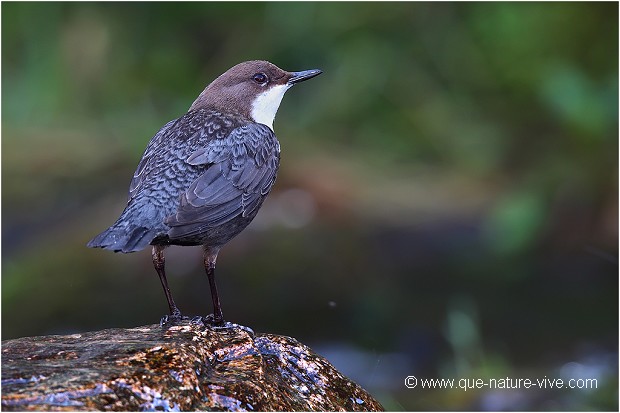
(260, 78)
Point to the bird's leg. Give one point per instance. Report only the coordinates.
(160, 262)
(210, 256)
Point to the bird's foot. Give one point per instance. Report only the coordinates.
(214, 321)
(209, 321)
(170, 319)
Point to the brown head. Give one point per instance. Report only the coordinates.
(253, 89)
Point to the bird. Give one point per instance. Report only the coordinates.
(204, 176)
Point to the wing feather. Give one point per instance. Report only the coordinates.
(240, 171)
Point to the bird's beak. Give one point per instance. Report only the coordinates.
(303, 75)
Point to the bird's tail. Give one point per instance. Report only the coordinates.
(122, 237)
(139, 224)
(136, 228)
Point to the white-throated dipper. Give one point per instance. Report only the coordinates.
(204, 176)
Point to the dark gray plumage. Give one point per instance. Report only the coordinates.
(180, 195)
(204, 176)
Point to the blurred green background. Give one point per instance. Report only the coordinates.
(447, 204)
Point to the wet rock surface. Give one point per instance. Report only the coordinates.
(185, 366)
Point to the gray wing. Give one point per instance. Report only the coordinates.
(240, 171)
(147, 163)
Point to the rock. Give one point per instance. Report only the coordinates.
(185, 366)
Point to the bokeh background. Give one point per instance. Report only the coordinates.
(447, 204)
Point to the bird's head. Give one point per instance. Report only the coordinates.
(253, 89)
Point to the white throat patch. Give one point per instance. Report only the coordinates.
(266, 105)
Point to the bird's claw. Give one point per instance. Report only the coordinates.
(224, 325)
(208, 321)
(213, 321)
(175, 317)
